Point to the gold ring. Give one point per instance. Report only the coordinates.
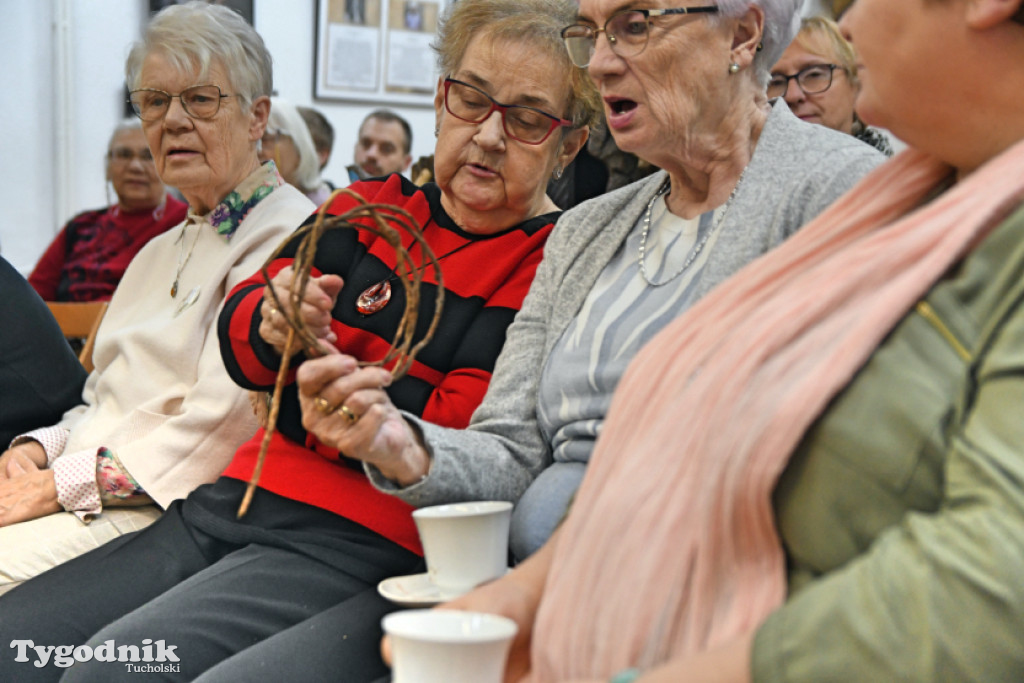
(347, 413)
(323, 405)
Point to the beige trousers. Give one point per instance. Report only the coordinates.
(32, 547)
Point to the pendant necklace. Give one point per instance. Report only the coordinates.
(695, 251)
(375, 297)
(182, 257)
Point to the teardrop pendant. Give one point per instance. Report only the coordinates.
(374, 298)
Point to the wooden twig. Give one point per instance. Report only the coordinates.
(389, 223)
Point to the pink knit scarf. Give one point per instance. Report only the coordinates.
(671, 546)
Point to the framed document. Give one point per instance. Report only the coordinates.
(376, 50)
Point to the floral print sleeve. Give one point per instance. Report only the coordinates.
(117, 486)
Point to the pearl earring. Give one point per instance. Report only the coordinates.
(734, 68)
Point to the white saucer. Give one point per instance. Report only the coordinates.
(414, 590)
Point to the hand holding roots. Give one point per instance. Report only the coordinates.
(389, 223)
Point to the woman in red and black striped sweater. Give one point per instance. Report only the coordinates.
(485, 280)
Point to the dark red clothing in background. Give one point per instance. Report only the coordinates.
(89, 256)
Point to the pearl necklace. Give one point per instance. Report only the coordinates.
(695, 251)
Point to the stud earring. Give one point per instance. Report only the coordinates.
(734, 68)
(557, 173)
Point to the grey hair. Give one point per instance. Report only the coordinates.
(194, 35)
(133, 123)
(284, 115)
(781, 22)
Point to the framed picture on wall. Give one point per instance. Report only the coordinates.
(376, 50)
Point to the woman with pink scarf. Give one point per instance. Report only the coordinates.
(817, 473)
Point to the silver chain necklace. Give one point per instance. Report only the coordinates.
(695, 251)
(181, 252)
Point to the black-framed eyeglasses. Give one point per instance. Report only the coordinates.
(812, 79)
(525, 124)
(126, 155)
(627, 32)
(199, 102)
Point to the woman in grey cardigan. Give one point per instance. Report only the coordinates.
(686, 92)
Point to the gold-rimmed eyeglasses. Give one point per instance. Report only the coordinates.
(627, 32)
(199, 102)
(522, 123)
(812, 79)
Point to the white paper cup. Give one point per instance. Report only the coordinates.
(448, 646)
(464, 544)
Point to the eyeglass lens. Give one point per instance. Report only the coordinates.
(125, 155)
(525, 124)
(812, 80)
(199, 101)
(627, 33)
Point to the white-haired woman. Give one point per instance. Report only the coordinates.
(159, 415)
(288, 143)
(683, 88)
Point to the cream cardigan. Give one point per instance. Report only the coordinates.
(160, 397)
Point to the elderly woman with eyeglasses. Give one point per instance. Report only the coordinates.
(288, 143)
(90, 254)
(817, 76)
(159, 415)
(293, 581)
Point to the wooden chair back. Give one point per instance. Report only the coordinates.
(80, 320)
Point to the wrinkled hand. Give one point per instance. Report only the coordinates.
(346, 407)
(31, 494)
(315, 311)
(23, 458)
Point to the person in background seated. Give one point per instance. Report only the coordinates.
(159, 415)
(288, 144)
(322, 132)
(40, 377)
(90, 254)
(817, 76)
(845, 500)
(384, 146)
(292, 586)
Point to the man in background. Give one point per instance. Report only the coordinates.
(384, 146)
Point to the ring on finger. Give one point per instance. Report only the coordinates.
(347, 413)
(323, 405)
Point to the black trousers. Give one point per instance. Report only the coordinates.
(286, 593)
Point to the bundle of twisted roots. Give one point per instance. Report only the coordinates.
(388, 222)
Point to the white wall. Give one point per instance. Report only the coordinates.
(37, 196)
